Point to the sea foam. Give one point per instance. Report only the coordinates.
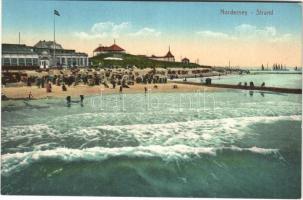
(207, 133)
(16, 161)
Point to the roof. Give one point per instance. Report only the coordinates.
(23, 49)
(185, 59)
(47, 44)
(153, 56)
(17, 49)
(113, 47)
(169, 55)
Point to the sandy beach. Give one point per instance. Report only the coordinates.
(75, 91)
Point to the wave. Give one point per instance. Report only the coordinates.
(16, 161)
(211, 132)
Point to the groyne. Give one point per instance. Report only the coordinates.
(242, 87)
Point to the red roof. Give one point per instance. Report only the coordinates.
(113, 47)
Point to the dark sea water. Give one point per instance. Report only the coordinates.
(220, 144)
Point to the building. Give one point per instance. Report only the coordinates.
(169, 57)
(48, 44)
(41, 55)
(185, 60)
(111, 49)
(64, 57)
(19, 55)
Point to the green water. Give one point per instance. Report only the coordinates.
(270, 80)
(221, 144)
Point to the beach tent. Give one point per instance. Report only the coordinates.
(55, 72)
(67, 72)
(41, 74)
(44, 73)
(32, 73)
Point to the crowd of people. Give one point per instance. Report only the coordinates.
(108, 78)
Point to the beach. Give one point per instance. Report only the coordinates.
(75, 91)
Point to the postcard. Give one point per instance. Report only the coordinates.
(151, 98)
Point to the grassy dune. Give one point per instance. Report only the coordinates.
(138, 61)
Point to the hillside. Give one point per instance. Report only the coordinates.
(139, 61)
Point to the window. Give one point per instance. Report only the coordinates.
(21, 62)
(69, 61)
(14, 61)
(6, 62)
(35, 62)
(84, 61)
(74, 61)
(28, 62)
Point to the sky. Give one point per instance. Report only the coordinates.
(196, 30)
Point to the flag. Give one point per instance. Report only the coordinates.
(56, 12)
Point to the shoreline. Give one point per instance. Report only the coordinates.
(21, 93)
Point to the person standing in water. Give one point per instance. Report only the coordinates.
(121, 88)
(30, 96)
(81, 98)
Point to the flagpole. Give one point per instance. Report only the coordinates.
(55, 39)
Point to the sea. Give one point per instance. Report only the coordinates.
(284, 80)
(229, 143)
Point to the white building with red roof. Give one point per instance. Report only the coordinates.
(108, 49)
(169, 57)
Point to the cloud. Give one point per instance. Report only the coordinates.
(112, 30)
(84, 35)
(246, 32)
(109, 28)
(104, 29)
(268, 33)
(283, 38)
(211, 34)
(146, 32)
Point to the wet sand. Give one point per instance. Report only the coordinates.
(75, 91)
